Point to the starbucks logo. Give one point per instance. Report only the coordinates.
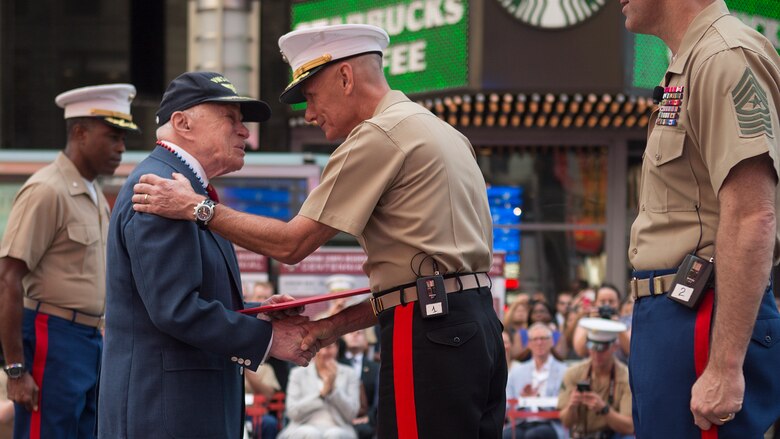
(552, 14)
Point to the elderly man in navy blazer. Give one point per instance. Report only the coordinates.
(175, 346)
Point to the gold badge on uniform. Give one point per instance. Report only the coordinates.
(669, 108)
(751, 106)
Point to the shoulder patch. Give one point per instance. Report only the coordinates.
(752, 106)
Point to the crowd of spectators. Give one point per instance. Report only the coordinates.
(543, 341)
(549, 355)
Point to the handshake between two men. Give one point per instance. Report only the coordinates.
(296, 338)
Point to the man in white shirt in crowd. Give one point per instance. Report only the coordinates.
(540, 376)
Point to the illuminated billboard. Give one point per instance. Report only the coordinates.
(651, 57)
(428, 39)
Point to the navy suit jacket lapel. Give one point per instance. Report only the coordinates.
(224, 245)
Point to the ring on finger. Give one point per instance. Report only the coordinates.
(146, 198)
(727, 418)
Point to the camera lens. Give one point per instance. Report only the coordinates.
(606, 312)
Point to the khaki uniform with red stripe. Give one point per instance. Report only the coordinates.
(719, 108)
(53, 270)
(60, 234)
(407, 185)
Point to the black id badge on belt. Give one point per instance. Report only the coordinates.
(432, 296)
(692, 279)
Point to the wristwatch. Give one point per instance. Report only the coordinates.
(603, 411)
(14, 370)
(204, 211)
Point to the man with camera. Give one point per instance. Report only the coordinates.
(605, 305)
(595, 397)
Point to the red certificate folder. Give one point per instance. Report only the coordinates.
(304, 301)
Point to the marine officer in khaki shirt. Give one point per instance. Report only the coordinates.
(603, 410)
(407, 185)
(709, 188)
(53, 270)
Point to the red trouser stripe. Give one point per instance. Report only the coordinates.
(39, 365)
(701, 345)
(403, 377)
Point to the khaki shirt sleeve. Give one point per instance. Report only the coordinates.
(32, 225)
(732, 112)
(358, 173)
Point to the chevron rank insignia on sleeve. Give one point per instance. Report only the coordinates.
(752, 106)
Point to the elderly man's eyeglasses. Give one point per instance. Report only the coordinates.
(544, 338)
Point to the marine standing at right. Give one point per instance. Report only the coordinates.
(709, 188)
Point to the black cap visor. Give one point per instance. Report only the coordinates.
(252, 110)
(293, 94)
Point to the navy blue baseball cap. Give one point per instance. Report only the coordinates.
(193, 88)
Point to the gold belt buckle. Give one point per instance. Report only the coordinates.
(376, 305)
(634, 287)
(658, 283)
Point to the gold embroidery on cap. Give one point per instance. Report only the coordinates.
(121, 123)
(221, 80)
(108, 113)
(316, 62)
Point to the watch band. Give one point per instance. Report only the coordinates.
(14, 370)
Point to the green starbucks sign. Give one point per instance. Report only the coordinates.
(651, 57)
(428, 39)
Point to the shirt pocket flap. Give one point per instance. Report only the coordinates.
(83, 234)
(455, 335)
(667, 145)
(766, 332)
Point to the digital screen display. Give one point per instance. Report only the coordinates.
(279, 198)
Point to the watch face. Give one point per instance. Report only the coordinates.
(15, 372)
(552, 14)
(203, 212)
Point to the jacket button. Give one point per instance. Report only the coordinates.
(247, 362)
(234, 359)
(768, 339)
(456, 339)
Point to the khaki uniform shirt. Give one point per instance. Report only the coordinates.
(406, 184)
(621, 401)
(60, 234)
(723, 110)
